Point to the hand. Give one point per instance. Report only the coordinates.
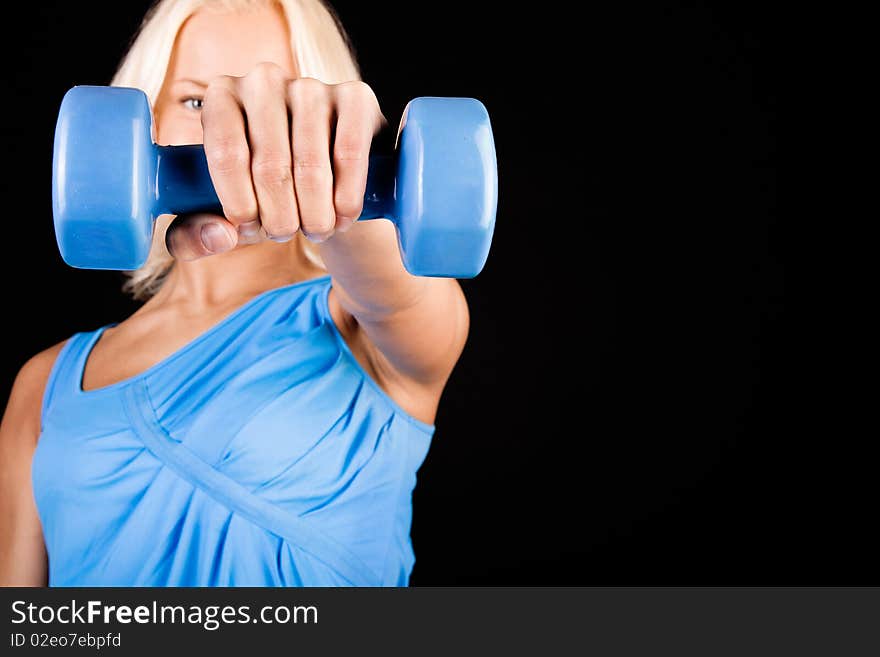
(284, 155)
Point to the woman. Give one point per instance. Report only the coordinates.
(260, 419)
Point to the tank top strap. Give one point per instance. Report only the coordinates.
(65, 377)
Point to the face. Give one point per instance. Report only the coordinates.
(210, 44)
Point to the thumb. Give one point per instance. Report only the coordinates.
(194, 236)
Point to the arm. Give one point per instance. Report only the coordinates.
(292, 155)
(408, 330)
(23, 559)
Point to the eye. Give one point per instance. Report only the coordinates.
(193, 103)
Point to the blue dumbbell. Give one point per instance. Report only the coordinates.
(110, 182)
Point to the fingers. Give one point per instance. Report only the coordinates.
(227, 151)
(194, 236)
(264, 93)
(355, 128)
(311, 114)
(284, 155)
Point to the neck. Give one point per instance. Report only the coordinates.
(237, 275)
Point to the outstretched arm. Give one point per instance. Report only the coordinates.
(292, 156)
(411, 329)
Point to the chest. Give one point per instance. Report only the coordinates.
(140, 344)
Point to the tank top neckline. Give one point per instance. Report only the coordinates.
(95, 336)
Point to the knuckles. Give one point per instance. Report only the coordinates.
(308, 171)
(348, 206)
(349, 148)
(272, 172)
(268, 71)
(221, 84)
(265, 80)
(241, 214)
(311, 173)
(358, 96)
(303, 90)
(355, 91)
(308, 95)
(227, 154)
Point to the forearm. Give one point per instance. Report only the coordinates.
(369, 275)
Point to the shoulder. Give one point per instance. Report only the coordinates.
(26, 398)
(35, 372)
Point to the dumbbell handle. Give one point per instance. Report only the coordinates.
(184, 185)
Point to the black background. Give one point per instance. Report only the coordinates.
(620, 413)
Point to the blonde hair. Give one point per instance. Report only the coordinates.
(320, 46)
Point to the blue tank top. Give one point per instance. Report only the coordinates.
(259, 454)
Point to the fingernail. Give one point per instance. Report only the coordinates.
(215, 239)
(319, 236)
(280, 238)
(316, 238)
(249, 229)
